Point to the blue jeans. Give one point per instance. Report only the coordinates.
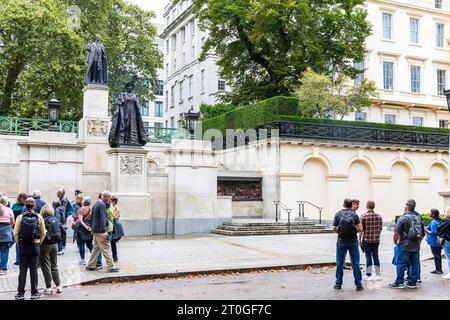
(17, 253)
(447, 252)
(89, 245)
(4, 254)
(408, 261)
(341, 251)
(371, 251)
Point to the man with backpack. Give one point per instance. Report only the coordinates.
(408, 235)
(29, 232)
(347, 225)
(443, 233)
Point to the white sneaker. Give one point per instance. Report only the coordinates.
(378, 277)
(3, 272)
(59, 289)
(82, 262)
(365, 277)
(48, 291)
(447, 276)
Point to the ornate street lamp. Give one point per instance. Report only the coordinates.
(53, 113)
(191, 121)
(447, 95)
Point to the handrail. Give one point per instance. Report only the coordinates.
(285, 208)
(301, 209)
(22, 126)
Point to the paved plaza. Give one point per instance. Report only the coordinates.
(202, 253)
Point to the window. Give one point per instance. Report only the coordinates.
(167, 101)
(203, 81)
(172, 122)
(439, 35)
(191, 82)
(359, 76)
(174, 65)
(174, 42)
(443, 123)
(418, 121)
(146, 126)
(183, 35)
(388, 75)
(158, 125)
(167, 123)
(415, 79)
(221, 85)
(167, 70)
(145, 109)
(183, 62)
(159, 88)
(192, 23)
(193, 52)
(390, 118)
(413, 30)
(387, 25)
(360, 116)
(172, 96)
(438, 4)
(330, 115)
(158, 109)
(441, 82)
(167, 46)
(181, 90)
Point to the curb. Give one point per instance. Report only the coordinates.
(174, 275)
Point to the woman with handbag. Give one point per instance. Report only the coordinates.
(6, 233)
(83, 230)
(115, 227)
(432, 240)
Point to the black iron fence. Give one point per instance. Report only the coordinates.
(337, 132)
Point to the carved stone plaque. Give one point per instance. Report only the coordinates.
(131, 165)
(97, 128)
(240, 190)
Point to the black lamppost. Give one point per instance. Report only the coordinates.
(53, 113)
(191, 121)
(447, 95)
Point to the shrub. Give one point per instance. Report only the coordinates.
(209, 111)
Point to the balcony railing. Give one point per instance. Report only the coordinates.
(164, 135)
(337, 132)
(22, 126)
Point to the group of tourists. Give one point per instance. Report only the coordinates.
(39, 232)
(355, 233)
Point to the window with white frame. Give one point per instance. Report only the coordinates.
(167, 70)
(167, 46)
(174, 42)
(360, 116)
(390, 118)
(439, 35)
(158, 109)
(181, 90)
(167, 100)
(359, 76)
(221, 85)
(203, 81)
(415, 79)
(172, 96)
(172, 122)
(183, 35)
(414, 30)
(192, 23)
(388, 75)
(145, 109)
(159, 88)
(443, 123)
(158, 125)
(146, 126)
(174, 65)
(438, 4)
(193, 52)
(418, 121)
(441, 81)
(387, 25)
(191, 83)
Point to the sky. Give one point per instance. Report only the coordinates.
(155, 5)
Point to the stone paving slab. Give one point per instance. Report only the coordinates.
(200, 253)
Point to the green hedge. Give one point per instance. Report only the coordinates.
(287, 109)
(425, 218)
(251, 116)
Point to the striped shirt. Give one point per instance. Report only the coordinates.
(372, 224)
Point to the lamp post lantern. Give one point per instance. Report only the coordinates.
(447, 96)
(53, 113)
(191, 121)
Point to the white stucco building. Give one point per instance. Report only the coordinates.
(188, 81)
(408, 58)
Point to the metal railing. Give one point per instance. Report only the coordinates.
(301, 209)
(362, 134)
(285, 208)
(22, 126)
(165, 135)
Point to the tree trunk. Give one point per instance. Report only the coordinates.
(8, 89)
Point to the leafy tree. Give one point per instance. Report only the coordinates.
(320, 96)
(42, 52)
(265, 45)
(215, 110)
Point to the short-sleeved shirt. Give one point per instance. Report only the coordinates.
(337, 220)
(402, 228)
(7, 215)
(372, 224)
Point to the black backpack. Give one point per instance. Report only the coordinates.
(29, 228)
(443, 230)
(53, 227)
(415, 228)
(347, 228)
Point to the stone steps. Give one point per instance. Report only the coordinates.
(264, 227)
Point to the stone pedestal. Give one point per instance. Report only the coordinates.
(128, 167)
(192, 188)
(51, 161)
(93, 131)
(446, 195)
